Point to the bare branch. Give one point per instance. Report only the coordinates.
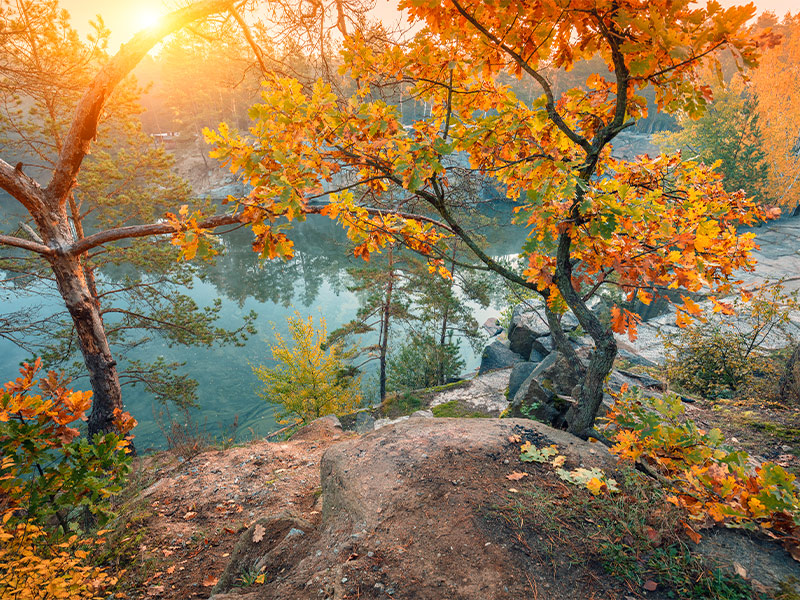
(137, 231)
(250, 40)
(23, 188)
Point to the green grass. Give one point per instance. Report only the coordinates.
(456, 410)
(634, 535)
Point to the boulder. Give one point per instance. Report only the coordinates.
(324, 428)
(364, 422)
(266, 545)
(545, 394)
(519, 373)
(526, 325)
(498, 355)
(493, 327)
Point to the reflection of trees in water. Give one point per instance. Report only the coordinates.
(321, 255)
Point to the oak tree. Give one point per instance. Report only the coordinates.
(645, 225)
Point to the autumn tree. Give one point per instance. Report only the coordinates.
(643, 226)
(312, 377)
(47, 66)
(59, 236)
(774, 83)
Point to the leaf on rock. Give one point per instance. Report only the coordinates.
(258, 533)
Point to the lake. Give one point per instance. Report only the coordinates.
(314, 283)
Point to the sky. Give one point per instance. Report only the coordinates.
(126, 17)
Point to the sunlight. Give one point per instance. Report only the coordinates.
(148, 18)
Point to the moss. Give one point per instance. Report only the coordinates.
(789, 589)
(786, 434)
(455, 409)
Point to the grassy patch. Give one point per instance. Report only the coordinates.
(400, 404)
(778, 430)
(634, 535)
(455, 409)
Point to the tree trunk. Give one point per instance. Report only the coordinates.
(580, 418)
(88, 322)
(387, 309)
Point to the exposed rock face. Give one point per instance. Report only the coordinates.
(498, 355)
(409, 513)
(519, 373)
(265, 547)
(526, 325)
(547, 391)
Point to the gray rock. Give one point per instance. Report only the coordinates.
(364, 422)
(634, 358)
(425, 414)
(645, 380)
(519, 373)
(544, 395)
(764, 561)
(526, 325)
(493, 327)
(497, 355)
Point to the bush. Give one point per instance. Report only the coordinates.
(53, 483)
(312, 378)
(703, 476)
(727, 356)
(422, 362)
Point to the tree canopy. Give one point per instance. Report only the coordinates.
(645, 225)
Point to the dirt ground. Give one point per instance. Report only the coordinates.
(188, 514)
(437, 509)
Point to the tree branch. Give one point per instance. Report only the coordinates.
(84, 124)
(550, 105)
(8, 240)
(23, 188)
(137, 231)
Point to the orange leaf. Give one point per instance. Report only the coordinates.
(516, 476)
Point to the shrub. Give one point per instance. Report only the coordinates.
(311, 378)
(728, 355)
(422, 362)
(703, 476)
(52, 483)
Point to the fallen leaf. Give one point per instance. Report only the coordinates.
(516, 476)
(258, 533)
(226, 555)
(167, 552)
(653, 536)
(594, 485)
(210, 581)
(514, 439)
(559, 460)
(695, 537)
(513, 490)
(740, 570)
(229, 530)
(171, 570)
(189, 515)
(650, 585)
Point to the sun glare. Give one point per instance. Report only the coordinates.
(148, 19)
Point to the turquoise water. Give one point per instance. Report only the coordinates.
(314, 283)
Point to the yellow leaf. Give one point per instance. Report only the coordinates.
(594, 485)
